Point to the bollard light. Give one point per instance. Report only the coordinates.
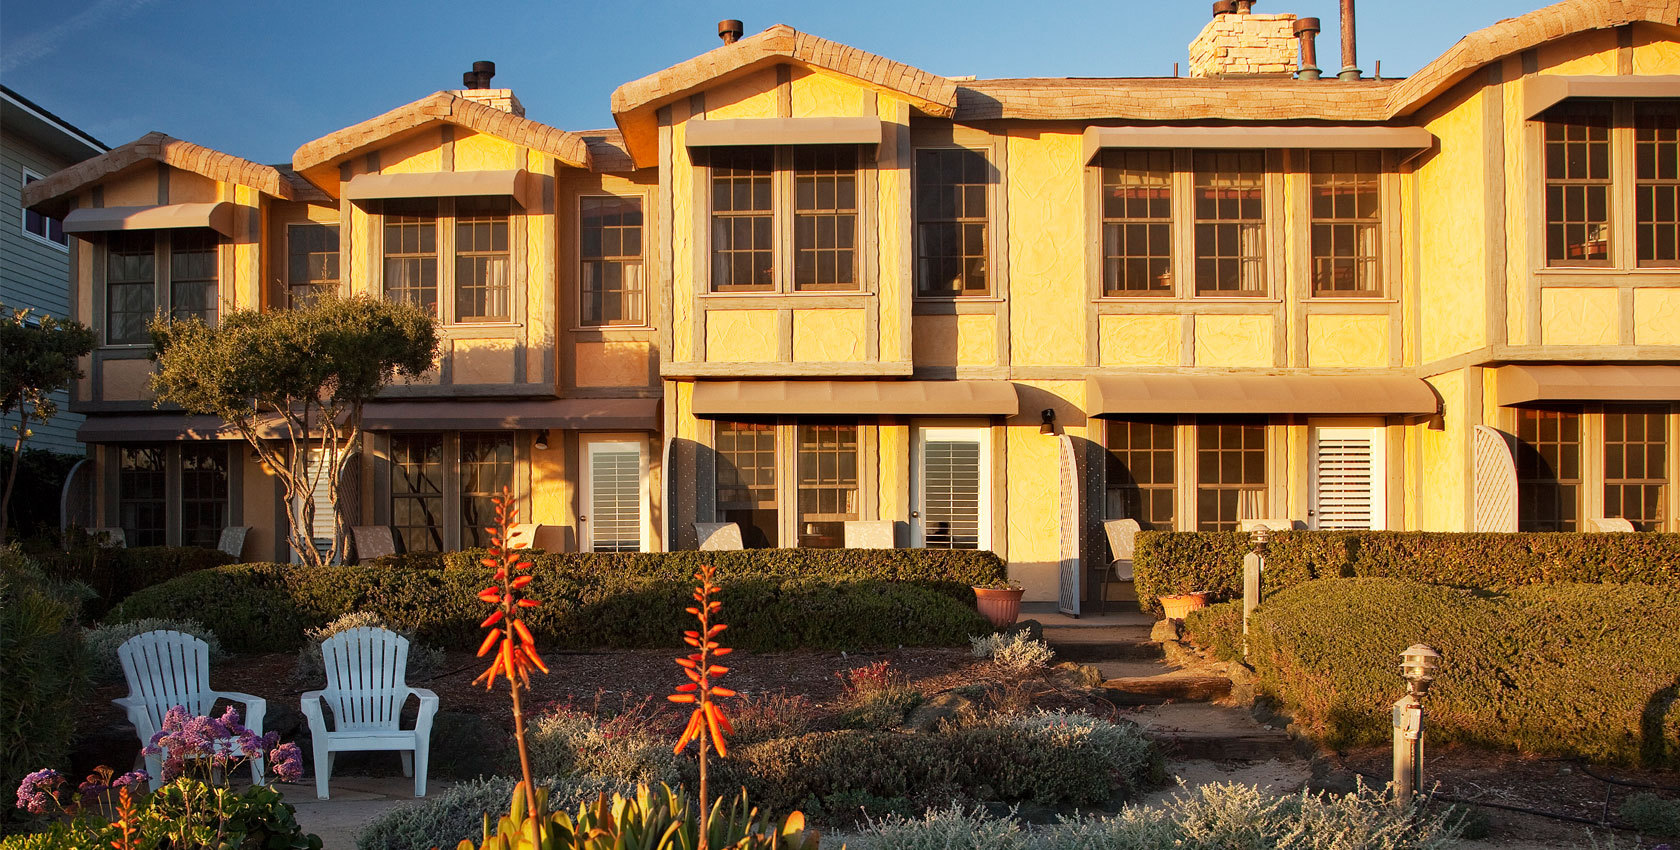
(1258, 537)
(1419, 664)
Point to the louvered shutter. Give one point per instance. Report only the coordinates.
(1347, 479)
(952, 478)
(615, 497)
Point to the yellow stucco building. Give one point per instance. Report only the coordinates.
(826, 297)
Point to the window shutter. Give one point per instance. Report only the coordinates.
(951, 511)
(615, 498)
(1346, 482)
(1496, 482)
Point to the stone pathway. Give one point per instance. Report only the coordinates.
(355, 801)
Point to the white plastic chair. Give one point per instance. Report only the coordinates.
(168, 668)
(366, 690)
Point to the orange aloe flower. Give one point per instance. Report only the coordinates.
(708, 722)
(509, 637)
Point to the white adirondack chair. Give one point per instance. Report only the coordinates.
(168, 668)
(366, 690)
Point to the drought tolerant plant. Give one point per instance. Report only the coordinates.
(43, 665)
(624, 748)
(876, 696)
(423, 660)
(457, 814)
(707, 724)
(102, 642)
(1014, 651)
(1652, 815)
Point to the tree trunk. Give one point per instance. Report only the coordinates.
(11, 475)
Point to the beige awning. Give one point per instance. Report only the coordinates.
(568, 414)
(1126, 394)
(1542, 92)
(217, 216)
(156, 427)
(517, 183)
(1515, 385)
(784, 131)
(1257, 138)
(855, 398)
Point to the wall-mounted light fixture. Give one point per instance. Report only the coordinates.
(1048, 416)
(542, 439)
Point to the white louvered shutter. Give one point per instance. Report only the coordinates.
(953, 482)
(615, 497)
(1347, 479)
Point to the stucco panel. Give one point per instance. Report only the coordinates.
(481, 361)
(186, 187)
(1439, 490)
(893, 443)
(1347, 341)
(1655, 51)
(614, 363)
(1033, 483)
(1656, 317)
(126, 380)
(1578, 316)
(1517, 186)
(741, 336)
(892, 195)
(1234, 341)
(977, 340)
(752, 96)
(1140, 340)
(828, 336)
(1585, 53)
(816, 94)
(421, 152)
(244, 291)
(1046, 256)
(135, 187)
(934, 340)
(1452, 246)
(484, 152)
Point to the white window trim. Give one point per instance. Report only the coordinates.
(586, 448)
(1378, 436)
(925, 433)
(23, 217)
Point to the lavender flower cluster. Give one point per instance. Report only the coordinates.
(223, 741)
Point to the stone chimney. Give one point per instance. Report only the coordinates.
(477, 82)
(1242, 42)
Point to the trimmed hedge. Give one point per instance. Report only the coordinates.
(114, 574)
(773, 599)
(1588, 670)
(1169, 562)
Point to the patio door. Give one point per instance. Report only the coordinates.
(1348, 477)
(953, 488)
(615, 504)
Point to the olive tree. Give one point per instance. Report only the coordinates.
(39, 355)
(294, 383)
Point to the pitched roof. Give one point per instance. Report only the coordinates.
(1172, 99)
(1514, 35)
(449, 108)
(53, 192)
(633, 103)
(607, 152)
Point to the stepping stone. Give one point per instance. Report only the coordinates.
(1168, 687)
(1196, 730)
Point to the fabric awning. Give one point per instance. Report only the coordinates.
(1126, 394)
(1543, 91)
(567, 414)
(514, 183)
(1257, 137)
(217, 216)
(784, 131)
(156, 427)
(855, 398)
(1515, 385)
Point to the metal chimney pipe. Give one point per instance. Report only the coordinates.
(1223, 7)
(1242, 7)
(1306, 29)
(485, 69)
(1350, 61)
(730, 30)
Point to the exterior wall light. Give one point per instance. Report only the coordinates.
(1048, 417)
(542, 440)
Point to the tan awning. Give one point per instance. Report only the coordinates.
(855, 398)
(1543, 91)
(1121, 395)
(569, 414)
(515, 183)
(217, 216)
(1588, 382)
(155, 427)
(785, 131)
(1257, 137)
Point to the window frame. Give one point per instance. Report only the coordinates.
(292, 286)
(1593, 480)
(1173, 225)
(162, 244)
(1623, 214)
(1672, 183)
(723, 510)
(1187, 485)
(783, 216)
(991, 250)
(27, 175)
(446, 256)
(786, 429)
(646, 305)
(174, 491)
(1380, 261)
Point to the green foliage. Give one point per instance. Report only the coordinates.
(876, 696)
(36, 494)
(572, 742)
(786, 599)
(39, 355)
(660, 819)
(102, 642)
(1169, 562)
(423, 661)
(442, 820)
(1589, 670)
(1652, 815)
(1217, 627)
(45, 672)
(114, 574)
(185, 814)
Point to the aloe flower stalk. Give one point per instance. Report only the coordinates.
(707, 724)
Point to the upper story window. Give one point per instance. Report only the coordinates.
(1578, 185)
(44, 228)
(951, 215)
(1230, 220)
(1591, 147)
(1656, 189)
(613, 289)
(158, 271)
(482, 281)
(130, 286)
(1346, 213)
(311, 262)
(451, 256)
(411, 253)
(1137, 222)
(817, 187)
(192, 275)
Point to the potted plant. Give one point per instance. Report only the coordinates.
(1179, 605)
(999, 602)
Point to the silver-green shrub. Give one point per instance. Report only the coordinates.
(955, 828)
(423, 661)
(1012, 651)
(1123, 746)
(575, 743)
(102, 642)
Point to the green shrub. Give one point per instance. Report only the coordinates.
(1652, 815)
(1573, 669)
(442, 820)
(44, 664)
(114, 574)
(1217, 627)
(594, 600)
(102, 642)
(623, 749)
(1169, 562)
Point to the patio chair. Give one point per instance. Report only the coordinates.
(372, 541)
(233, 540)
(109, 538)
(167, 669)
(718, 536)
(1122, 539)
(366, 690)
(1611, 524)
(869, 534)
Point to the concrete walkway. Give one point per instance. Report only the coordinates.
(355, 801)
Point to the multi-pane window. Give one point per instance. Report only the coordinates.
(613, 292)
(1137, 222)
(1548, 456)
(743, 250)
(411, 253)
(482, 283)
(1141, 475)
(746, 480)
(311, 262)
(142, 501)
(1636, 465)
(1657, 183)
(828, 483)
(951, 242)
(45, 228)
(417, 488)
(1230, 472)
(1230, 219)
(204, 493)
(825, 218)
(1578, 184)
(1346, 203)
(486, 468)
(192, 275)
(130, 286)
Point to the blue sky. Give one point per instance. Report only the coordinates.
(258, 78)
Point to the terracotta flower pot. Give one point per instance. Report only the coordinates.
(1178, 607)
(999, 605)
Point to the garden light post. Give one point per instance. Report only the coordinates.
(1253, 563)
(1418, 665)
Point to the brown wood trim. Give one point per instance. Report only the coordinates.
(1250, 137)
(1493, 204)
